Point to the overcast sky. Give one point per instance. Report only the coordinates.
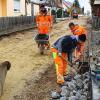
(84, 3)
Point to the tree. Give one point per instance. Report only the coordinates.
(53, 12)
(76, 3)
(83, 10)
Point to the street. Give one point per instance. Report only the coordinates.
(31, 76)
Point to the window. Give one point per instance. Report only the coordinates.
(16, 5)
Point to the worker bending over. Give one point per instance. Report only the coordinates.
(61, 50)
(78, 30)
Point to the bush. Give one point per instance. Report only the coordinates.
(59, 13)
(53, 12)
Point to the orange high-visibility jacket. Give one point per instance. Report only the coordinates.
(44, 23)
(78, 30)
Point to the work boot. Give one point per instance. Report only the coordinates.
(60, 82)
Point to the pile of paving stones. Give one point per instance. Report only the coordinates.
(76, 88)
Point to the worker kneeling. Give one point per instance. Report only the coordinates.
(62, 50)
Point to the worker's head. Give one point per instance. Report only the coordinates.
(43, 11)
(42, 6)
(82, 38)
(71, 25)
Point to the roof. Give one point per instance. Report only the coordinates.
(96, 2)
(53, 3)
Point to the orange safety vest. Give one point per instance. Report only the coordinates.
(78, 30)
(44, 23)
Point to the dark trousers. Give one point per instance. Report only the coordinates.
(70, 57)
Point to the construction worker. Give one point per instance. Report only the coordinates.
(78, 30)
(61, 49)
(44, 24)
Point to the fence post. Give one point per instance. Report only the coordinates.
(32, 11)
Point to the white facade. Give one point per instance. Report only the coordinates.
(39, 1)
(21, 8)
(97, 2)
(35, 1)
(28, 8)
(36, 9)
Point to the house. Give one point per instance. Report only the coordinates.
(16, 8)
(95, 5)
(97, 8)
(24, 7)
(6, 8)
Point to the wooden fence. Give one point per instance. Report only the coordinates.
(13, 24)
(96, 22)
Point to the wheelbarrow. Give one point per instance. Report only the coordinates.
(43, 44)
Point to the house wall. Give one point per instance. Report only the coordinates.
(22, 5)
(4, 8)
(36, 9)
(0, 8)
(29, 9)
(10, 8)
(7, 8)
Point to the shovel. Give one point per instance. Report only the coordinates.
(70, 64)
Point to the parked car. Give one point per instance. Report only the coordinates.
(74, 14)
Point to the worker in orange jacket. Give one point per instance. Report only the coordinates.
(78, 30)
(44, 22)
(62, 50)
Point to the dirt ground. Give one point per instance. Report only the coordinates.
(31, 76)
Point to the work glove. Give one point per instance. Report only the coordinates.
(60, 54)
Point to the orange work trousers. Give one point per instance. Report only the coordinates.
(60, 64)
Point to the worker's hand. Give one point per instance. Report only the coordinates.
(59, 54)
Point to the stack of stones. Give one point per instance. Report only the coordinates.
(74, 88)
